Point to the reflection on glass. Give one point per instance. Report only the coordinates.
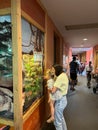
(6, 77)
(32, 50)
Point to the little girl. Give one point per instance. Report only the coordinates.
(52, 96)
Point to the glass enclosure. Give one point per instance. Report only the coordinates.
(6, 76)
(32, 65)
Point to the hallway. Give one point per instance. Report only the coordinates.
(82, 109)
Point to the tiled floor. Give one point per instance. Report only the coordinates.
(49, 126)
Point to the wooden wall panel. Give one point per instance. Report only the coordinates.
(49, 43)
(83, 57)
(95, 56)
(33, 9)
(17, 63)
(96, 47)
(5, 4)
(35, 121)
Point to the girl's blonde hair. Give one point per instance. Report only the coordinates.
(50, 74)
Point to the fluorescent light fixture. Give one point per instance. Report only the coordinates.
(80, 49)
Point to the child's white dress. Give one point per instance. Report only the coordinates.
(54, 96)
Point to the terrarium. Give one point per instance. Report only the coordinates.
(32, 65)
(6, 76)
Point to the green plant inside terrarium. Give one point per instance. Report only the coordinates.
(33, 77)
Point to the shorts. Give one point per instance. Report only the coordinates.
(73, 76)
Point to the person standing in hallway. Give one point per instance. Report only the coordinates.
(61, 83)
(73, 72)
(78, 62)
(89, 70)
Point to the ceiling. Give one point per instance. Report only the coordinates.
(80, 17)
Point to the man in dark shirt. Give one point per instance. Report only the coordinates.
(73, 72)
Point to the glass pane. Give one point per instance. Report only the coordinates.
(32, 50)
(6, 77)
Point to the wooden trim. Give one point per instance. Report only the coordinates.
(45, 45)
(32, 108)
(17, 63)
(41, 5)
(5, 11)
(32, 21)
(6, 121)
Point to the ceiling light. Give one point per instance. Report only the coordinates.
(85, 39)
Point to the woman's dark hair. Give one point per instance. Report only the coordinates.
(58, 69)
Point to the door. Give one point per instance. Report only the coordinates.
(56, 49)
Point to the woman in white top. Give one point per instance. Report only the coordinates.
(60, 83)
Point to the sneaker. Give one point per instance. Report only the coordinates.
(73, 89)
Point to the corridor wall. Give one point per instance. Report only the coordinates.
(34, 14)
(89, 55)
(95, 57)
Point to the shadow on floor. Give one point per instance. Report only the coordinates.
(48, 126)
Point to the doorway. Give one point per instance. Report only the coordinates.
(96, 59)
(56, 49)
